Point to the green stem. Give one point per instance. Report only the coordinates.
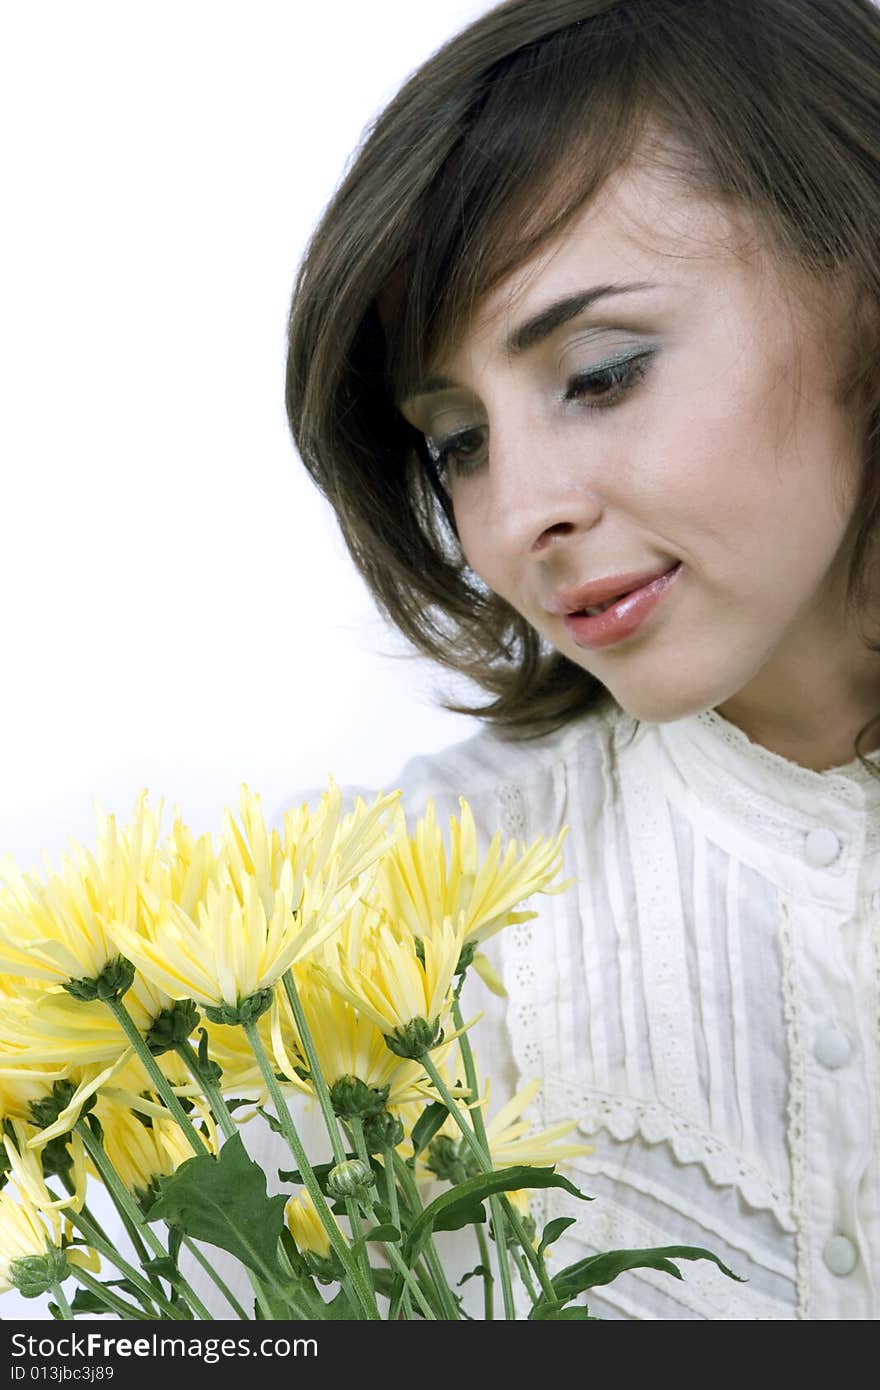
(128, 1207)
(316, 1075)
(322, 1094)
(131, 1230)
(122, 1199)
(211, 1088)
(393, 1200)
(481, 1154)
(115, 1304)
(488, 1278)
(157, 1076)
(223, 1115)
(365, 1294)
(524, 1274)
(534, 1259)
(394, 1256)
(63, 1305)
(147, 1309)
(103, 1246)
(432, 1259)
(211, 1271)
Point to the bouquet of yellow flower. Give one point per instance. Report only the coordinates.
(159, 993)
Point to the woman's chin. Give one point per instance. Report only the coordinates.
(663, 703)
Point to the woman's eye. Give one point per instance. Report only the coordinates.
(465, 450)
(603, 386)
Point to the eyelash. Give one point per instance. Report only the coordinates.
(622, 374)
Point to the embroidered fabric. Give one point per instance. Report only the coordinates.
(797, 1111)
(623, 1117)
(782, 823)
(706, 1291)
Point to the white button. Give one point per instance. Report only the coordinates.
(821, 847)
(832, 1048)
(840, 1255)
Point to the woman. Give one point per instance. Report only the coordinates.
(584, 355)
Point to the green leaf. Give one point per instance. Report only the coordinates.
(175, 1241)
(556, 1312)
(224, 1201)
(385, 1281)
(341, 1309)
(481, 1271)
(553, 1230)
(273, 1123)
(465, 1211)
(462, 1204)
(86, 1301)
(389, 1234)
(161, 1265)
(426, 1126)
(601, 1269)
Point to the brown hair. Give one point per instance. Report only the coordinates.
(776, 104)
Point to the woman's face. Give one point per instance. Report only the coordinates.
(684, 426)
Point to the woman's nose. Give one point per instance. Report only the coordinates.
(540, 496)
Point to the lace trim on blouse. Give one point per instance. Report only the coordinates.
(623, 1117)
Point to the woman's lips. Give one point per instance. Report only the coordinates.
(623, 617)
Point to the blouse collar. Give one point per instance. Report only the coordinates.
(712, 742)
(774, 809)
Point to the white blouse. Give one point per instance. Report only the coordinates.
(704, 1001)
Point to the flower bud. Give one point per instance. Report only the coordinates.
(172, 1027)
(353, 1099)
(382, 1131)
(443, 1159)
(415, 1038)
(353, 1178)
(34, 1275)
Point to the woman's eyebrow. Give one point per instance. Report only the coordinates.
(537, 328)
(542, 324)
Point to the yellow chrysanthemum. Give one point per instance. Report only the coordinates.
(347, 1042)
(54, 1029)
(187, 864)
(399, 981)
(90, 1082)
(25, 1164)
(513, 1139)
(417, 885)
(57, 929)
(27, 1231)
(82, 1044)
(234, 950)
(305, 1225)
(142, 1153)
(321, 848)
(21, 1086)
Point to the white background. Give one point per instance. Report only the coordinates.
(179, 612)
